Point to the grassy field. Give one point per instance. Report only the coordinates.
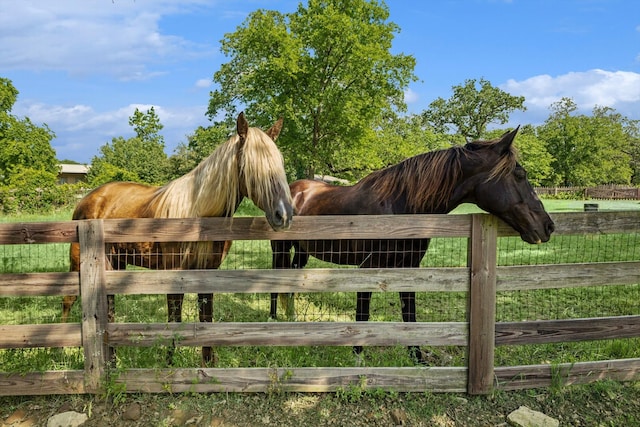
(604, 403)
(432, 307)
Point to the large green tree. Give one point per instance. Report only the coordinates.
(8, 95)
(24, 146)
(327, 68)
(401, 136)
(632, 130)
(28, 165)
(587, 150)
(472, 107)
(147, 126)
(141, 158)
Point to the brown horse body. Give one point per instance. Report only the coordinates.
(485, 173)
(247, 165)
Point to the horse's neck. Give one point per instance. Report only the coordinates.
(217, 194)
(408, 197)
(209, 190)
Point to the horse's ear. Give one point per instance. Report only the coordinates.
(274, 131)
(242, 126)
(504, 142)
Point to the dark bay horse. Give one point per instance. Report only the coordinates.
(249, 165)
(485, 173)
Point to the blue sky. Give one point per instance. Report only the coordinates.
(82, 67)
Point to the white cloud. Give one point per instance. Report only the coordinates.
(81, 131)
(615, 89)
(203, 83)
(410, 96)
(120, 38)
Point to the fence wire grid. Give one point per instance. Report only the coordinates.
(547, 304)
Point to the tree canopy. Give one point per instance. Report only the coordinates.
(23, 144)
(8, 95)
(586, 150)
(140, 158)
(470, 110)
(632, 132)
(327, 68)
(28, 165)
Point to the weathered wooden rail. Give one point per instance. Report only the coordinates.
(603, 192)
(481, 279)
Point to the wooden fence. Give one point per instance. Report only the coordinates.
(604, 192)
(481, 279)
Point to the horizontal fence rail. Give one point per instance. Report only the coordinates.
(481, 279)
(604, 192)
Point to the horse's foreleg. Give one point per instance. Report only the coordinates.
(363, 302)
(280, 259)
(300, 259)
(74, 262)
(67, 303)
(174, 306)
(205, 311)
(174, 310)
(111, 317)
(408, 301)
(273, 309)
(300, 256)
(111, 308)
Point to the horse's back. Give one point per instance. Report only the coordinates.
(307, 194)
(319, 198)
(116, 200)
(134, 200)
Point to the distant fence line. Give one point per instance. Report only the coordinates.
(613, 192)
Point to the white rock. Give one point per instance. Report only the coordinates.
(525, 417)
(67, 419)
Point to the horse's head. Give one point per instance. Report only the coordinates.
(263, 178)
(497, 183)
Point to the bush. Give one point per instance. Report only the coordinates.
(36, 191)
(566, 195)
(102, 172)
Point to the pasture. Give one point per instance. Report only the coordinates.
(547, 304)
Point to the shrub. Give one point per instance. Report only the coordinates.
(35, 191)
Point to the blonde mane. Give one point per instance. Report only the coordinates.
(217, 185)
(262, 168)
(210, 189)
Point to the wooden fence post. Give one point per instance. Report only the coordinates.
(94, 302)
(482, 303)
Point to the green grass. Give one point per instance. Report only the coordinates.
(559, 205)
(433, 307)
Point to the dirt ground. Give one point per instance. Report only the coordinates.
(600, 404)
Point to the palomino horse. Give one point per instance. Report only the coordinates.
(482, 172)
(249, 165)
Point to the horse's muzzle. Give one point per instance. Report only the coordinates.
(281, 216)
(542, 235)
